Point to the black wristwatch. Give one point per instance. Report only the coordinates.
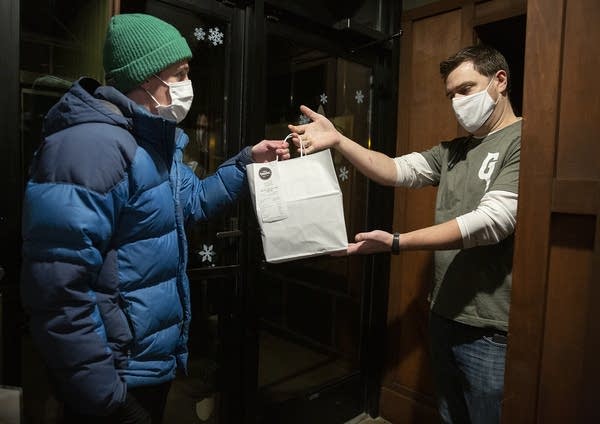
(396, 244)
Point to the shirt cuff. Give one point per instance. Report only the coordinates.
(245, 156)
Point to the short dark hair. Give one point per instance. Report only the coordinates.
(486, 60)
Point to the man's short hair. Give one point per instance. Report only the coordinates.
(486, 60)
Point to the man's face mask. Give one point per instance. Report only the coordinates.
(473, 110)
(181, 94)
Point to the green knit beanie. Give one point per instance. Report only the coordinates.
(138, 46)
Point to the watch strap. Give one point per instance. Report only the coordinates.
(396, 244)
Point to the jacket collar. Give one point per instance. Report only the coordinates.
(146, 127)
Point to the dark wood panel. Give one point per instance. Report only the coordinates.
(561, 370)
(578, 148)
(426, 42)
(467, 31)
(576, 196)
(485, 11)
(541, 82)
(399, 409)
(496, 10)
(432, 9)
(582, 108)
(434, 39)
(407, 331)
(588, 391)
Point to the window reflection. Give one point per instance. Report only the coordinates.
(195, 154)
(301, 352)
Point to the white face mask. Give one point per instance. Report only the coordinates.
(181, 94)
(473, 110)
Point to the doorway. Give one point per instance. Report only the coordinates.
(315, 314)
(508, 37)
(311, 310)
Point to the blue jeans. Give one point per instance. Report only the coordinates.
(468, 371)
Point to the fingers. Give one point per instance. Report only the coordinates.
(283, 153)
(268, 150)
(296, 138)
(356, 249)
(271, 143)
(376, 241)
(360, 237)
(298, 129)
(303, 140)
(309, 113)
(281, 148)
(276, 145)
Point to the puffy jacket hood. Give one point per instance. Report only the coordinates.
(89, 102)
(79, 106)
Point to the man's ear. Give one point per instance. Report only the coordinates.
(502, 81)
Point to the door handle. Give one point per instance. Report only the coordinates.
(229, 234)
(1, 272)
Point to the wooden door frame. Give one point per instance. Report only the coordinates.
(527, 314)
(543, 197)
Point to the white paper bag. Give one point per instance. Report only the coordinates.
(298, 204)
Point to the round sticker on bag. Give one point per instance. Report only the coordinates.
(264, 173)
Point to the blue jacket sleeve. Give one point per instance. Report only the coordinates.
(205, 198)
(66, 229)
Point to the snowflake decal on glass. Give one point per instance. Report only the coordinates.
(359, 96)
(199, 33)
(215, 36)
(207, 253)
(344, 173)
(323, 98)
(303, 119)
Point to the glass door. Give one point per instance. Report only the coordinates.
(311, 311)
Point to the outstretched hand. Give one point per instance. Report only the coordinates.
(269, 150)
(317, 135)
(377, 241)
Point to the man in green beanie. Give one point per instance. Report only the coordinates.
(104, 246)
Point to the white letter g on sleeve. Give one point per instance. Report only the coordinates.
(487, 168)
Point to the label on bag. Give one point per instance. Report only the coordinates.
(269, 197)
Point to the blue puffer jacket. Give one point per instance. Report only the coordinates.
(104, 247)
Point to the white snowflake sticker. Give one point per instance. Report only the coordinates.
(199, 33)
(215, 36)
(207, 253)
(303, 119)
(359, 96)
(323, 98)
(344, 173)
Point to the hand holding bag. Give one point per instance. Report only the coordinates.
(298, 204)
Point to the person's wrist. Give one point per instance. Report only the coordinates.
(246, 155)
(395, 249)
(340, 139)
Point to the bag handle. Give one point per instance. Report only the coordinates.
(302, 153)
